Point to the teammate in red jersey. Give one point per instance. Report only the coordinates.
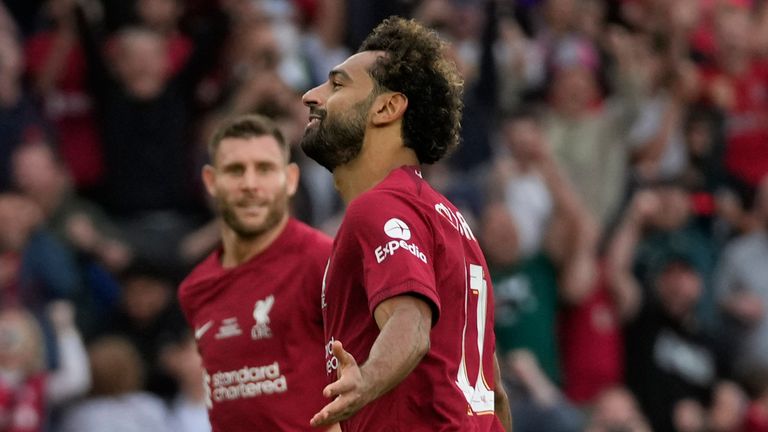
(254, 302)
(407, 288)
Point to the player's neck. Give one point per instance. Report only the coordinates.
(237, 249)
(381, 153)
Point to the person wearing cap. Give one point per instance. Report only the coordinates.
(672, 362)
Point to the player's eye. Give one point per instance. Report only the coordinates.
(265, 168)
(336, 85)
(236, 170)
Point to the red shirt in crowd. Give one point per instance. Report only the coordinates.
(746, 122)
(22, 407)
(756, 418)
(69, 107)
(591, 346)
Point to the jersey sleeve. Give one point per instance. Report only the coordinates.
(397, 247)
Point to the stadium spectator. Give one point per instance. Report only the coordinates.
(36, 267)
(661, 214)
(736, 83)
(741, 284)
(616, 409)
(55, 65)
(77, 224)
(532, 277)
(29, 390)
(163, 17)
(115, 402)
(148, 316)
(586, 132)
(181, 360)
(19, 117)
(145, 117)
(82, 225)
(657, 138)
(536, 402)
(664, 324)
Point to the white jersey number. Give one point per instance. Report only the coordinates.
(478, 395)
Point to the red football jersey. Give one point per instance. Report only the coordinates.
(746, 122)
(591, 345)
(402, 237)
(259, 331)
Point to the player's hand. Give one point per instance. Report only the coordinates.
(349, 392)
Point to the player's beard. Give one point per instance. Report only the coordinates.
(276, 210)
(337, 140)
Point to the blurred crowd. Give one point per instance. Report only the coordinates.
(614, 165)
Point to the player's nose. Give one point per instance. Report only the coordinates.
(250, 180)
(313, 97)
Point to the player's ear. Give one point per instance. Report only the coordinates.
(209, 176)
(390, 107)
(292, 178)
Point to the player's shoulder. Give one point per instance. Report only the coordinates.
(206, 270)
(308, 238)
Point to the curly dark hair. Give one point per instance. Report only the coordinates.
(415, 65)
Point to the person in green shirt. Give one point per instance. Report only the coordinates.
(529, 287)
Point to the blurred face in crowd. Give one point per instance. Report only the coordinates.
(733, 28)
(678, 286)
(338, 112)
(727, 407)
(145, 297)
(498, 234)
(57, 10)
(698, 139)
(258, 50)
(116, 366)
(590, 18)
(35, 171)
(560, 14)
(676, 208)
(616, 410)
(251, 182)
(142, 63)
(523, 137)
(574, 90)
(21, 344)
(19, 216)
(160, 14)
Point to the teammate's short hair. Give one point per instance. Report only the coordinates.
(415, 64)
(247, 126)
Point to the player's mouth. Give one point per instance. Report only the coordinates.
(315, 117)
(252, 207)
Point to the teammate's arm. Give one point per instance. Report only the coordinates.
(404, 322)
(500, 399)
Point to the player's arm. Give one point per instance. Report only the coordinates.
(404, 322)
(500, 399)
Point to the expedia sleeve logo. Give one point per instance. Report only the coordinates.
(400, 233)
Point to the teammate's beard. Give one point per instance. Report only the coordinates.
(336, 141)
(276, 210)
